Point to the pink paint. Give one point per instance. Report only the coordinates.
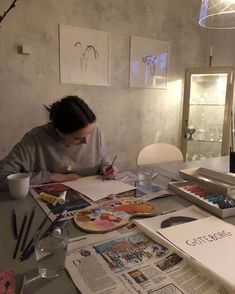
(104, 224)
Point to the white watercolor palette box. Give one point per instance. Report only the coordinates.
(209, 189)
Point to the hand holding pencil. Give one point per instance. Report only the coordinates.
(109, 172)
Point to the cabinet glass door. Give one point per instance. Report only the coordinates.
(207, 111)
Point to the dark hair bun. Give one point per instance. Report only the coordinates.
(70, 114)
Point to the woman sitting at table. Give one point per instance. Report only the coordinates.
(68, 147)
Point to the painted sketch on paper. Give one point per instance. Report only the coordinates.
(149, 63)
(84, 56)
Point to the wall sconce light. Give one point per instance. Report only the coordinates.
(217, 14)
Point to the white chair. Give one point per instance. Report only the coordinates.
(159, 153)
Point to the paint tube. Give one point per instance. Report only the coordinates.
(61, 198)
(48, 198)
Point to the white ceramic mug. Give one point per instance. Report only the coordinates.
(18, 185)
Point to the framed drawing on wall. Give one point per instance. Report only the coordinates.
(84, 56)
(149, 61)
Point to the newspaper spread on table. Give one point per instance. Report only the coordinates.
(131, 262)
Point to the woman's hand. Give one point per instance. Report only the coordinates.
(109, 173)
(64, 177)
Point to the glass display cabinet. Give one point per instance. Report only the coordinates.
(207, 112)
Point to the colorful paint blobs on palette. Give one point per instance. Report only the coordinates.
(7, 282)
(204, 194)
(111, 214)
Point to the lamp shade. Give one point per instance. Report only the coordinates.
(217, 14)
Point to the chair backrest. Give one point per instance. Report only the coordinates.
(159, 152)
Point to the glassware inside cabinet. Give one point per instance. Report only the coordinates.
(208, 89)
(208, 94)
(198, 150)
(202, 118)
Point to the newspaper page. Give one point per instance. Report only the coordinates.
(133, 263)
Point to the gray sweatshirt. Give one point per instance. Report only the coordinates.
(41, 152)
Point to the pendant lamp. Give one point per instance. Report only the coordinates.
(217, 14)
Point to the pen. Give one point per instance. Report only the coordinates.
(14, 224)
(20, 235)
(111, 165)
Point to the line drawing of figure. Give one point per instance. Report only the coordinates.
(85, 54)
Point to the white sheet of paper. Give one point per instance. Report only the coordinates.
(95, 188)
(210, 241)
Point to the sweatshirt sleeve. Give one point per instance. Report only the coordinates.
(21, 159)
(105, 159)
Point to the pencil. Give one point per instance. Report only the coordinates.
(14, 224)
(31, 241)
(111, 165)
(20, 235)
(28, 228)
(27, 253)
(54, 223)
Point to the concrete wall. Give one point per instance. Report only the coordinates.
(223, 42)
(131, 118)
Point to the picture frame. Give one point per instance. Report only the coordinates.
(149, 60)
(84, 56)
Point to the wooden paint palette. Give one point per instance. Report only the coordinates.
(111, 214)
